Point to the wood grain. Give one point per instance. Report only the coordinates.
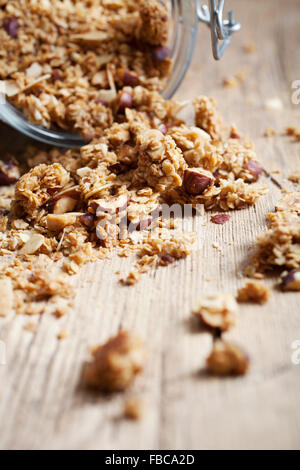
(42, 404)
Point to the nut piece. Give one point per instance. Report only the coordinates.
(227, 359)
(290, 280)
(254, 291)
(116, 363)
(255, 168)
(57, 222)
(112, 205)
(6, 297)
(196, 181)
(217, 310)
(63, 204)
(34, 243)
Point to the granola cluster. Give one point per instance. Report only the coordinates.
(78, 205)
(279, 247)
(116, 363)
(66, 72)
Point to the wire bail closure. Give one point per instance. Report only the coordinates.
(221, 30)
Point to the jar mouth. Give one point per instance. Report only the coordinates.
(182, 41)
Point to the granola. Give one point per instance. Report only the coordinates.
(217, 310)
(79, 205)
(116, 363)
(254, 291)
(227, 359)
(280, 245)
(65, 72)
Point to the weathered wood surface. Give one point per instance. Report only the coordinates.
(41, 402)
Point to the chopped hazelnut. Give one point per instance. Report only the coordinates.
(63, 204)
(290, 280)
(196, 181)
(227, 359)
(57, 222)
(126, 101)
(116, 363)
(254, 167)
(217, 310)
(11, 26)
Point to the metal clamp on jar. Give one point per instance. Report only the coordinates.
(184, 19)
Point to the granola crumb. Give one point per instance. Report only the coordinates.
(227, 359)
(269, 132)
(295, 177)
(133, 409)
(217, 310)
(31, 326)
(250, 47)
(116, 363)
(63, 334)
(293, 131)
(254, 292)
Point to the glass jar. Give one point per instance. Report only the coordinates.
(184, 15)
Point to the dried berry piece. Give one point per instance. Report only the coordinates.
(160, 53)
(254, 291)
(196, 181)
(116, 363)
(220, 218)
(9, 173)
(57, 75)
(217, 310)
(11, 26)
(227, 359)
(166, 259)
(254, 167)
(290, 280)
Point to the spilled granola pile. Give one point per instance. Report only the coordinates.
(65, 72)
(68, 208)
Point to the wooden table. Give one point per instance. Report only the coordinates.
(41, 402)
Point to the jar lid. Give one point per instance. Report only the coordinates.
(221, 30)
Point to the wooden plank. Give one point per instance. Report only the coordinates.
(41, 402)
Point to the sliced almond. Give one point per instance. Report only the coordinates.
(34, 71)
(33, 244)
(12, 89)
(91, 37)
(6, 297)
